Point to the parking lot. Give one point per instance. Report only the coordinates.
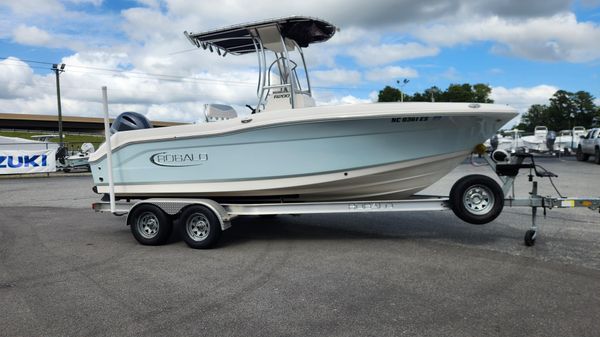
(67, 271)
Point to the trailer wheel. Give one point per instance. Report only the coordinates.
(581, 156)
(530, 238)
(200, 227)
(150, 225)
(476, 199)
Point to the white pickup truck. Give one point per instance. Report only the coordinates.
(589, 145)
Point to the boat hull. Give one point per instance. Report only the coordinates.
(351, 157)
(535, 144)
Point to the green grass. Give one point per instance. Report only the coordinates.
(73, 141)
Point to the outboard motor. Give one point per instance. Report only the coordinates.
(550, 140)
(494, 142)
(130, 120)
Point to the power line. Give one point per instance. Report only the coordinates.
(162, 77)
(120, 71)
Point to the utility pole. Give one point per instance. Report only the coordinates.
(59, 68)
(404, 82)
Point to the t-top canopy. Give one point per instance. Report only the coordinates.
(241, 39)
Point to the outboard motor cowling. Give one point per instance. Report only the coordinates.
(550, 140)
(130, 120)
(494, 142)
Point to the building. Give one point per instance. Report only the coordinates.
(50, 123)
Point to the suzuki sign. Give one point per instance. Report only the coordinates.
(17, 162)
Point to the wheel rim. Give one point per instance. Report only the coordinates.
(147, 225)
(478, 199)
(197, 227)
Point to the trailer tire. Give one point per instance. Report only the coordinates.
(580, 155)
(476, 199)
(529, 238)
(200, 227)
(150, 225)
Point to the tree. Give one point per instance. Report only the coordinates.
(459, 93)
(585, 109)
(478, 93)
(566, 110)
(536, 115)
(482, 93)
(433, 94)
(389, 94)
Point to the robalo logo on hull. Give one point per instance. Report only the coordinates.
(169, 159)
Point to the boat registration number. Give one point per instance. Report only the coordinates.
(415, 119)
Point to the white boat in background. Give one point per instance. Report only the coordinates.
(537, 141)
(568, 140)
(289, 149)
(578, 132)
(509, 141)
(79, 160)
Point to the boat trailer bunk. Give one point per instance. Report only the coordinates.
(476, 199)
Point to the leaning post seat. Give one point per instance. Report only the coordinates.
(218, 112)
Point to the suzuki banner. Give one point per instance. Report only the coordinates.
(21, 161)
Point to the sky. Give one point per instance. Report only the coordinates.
(524, 50)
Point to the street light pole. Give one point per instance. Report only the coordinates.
(404, 82)
(59, 68)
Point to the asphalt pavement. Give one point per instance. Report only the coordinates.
(67, 271)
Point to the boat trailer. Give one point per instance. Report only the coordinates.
(476, 199)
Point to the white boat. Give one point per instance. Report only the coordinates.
(510, 143)
(79, 160)
(568, 140)
(537, 141)
(577, 133)
(288, 148)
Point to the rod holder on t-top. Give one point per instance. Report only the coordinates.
(111, 184)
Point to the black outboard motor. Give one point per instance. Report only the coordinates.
(130, 121)
(550, 140)
(494, 142)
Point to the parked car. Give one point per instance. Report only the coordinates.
(589, 146)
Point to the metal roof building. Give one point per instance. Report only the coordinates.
(50, 123)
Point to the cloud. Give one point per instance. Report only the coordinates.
(557, 38)
(451, 74)
(33, 7)
(31, 36)
(519, 8)
(91, 2)
(390, 72)
(16, 78)
(147, 38)
(388, 53)
(522, 98)
(336, 76)
(371, 15)
(348, 99)
(590, 3)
